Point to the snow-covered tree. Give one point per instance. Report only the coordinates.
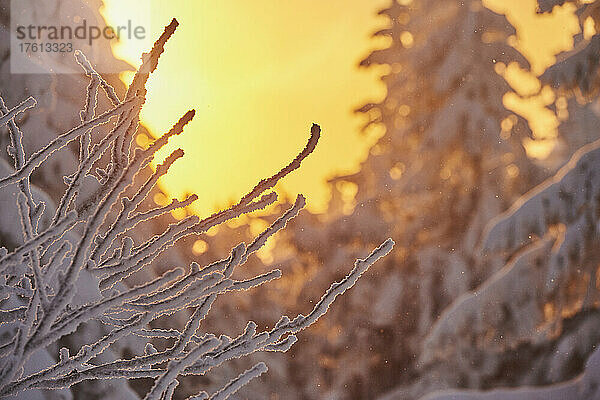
(450, 160)
(575, 79)
(577, 69)
(526, 310)
(535, 320)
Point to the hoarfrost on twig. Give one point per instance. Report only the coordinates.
(41, 276)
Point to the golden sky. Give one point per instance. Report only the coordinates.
(539, 38)
(260, 73)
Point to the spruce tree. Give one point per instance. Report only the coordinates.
(533, 323)
(451, 159)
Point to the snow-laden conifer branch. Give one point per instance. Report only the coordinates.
(583, 387)
(576, 69)
(550, 240)
(559, 200)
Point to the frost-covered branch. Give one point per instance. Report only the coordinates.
(46, 278)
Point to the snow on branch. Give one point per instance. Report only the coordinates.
(584, 387)
(60, 279)
(576, 69)
(39, 157)
(562, 199)
(96, 77)
(549, 238)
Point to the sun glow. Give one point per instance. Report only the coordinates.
(258, 80)
(260, 73)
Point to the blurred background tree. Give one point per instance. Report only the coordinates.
(451, 159)
(534, 322)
